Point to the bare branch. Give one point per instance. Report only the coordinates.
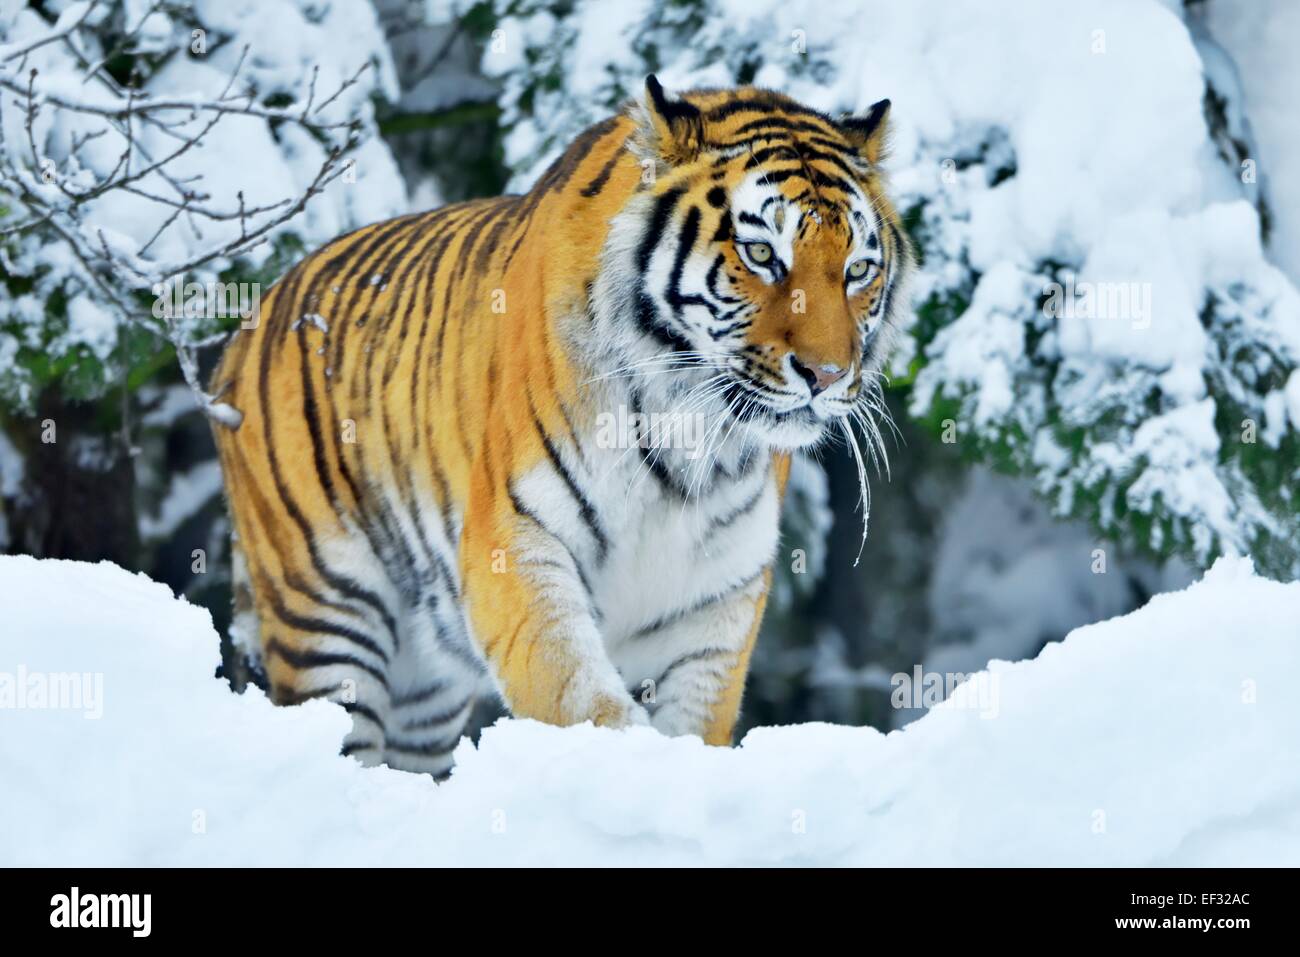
(349, 82)
(54, 202)
(227, 106)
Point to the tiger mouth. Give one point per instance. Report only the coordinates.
(799, 415)
(802, 417)
(758, 402)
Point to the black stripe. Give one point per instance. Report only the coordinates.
(423, 266)
(312, 624)
(596, 185)
(341, 583)
(352, 747)
(401, 280)
(524, 511)
(685, 243)
(647, 319)
(385, 240)
(702, 654)
(650, 239)
(740, 511)
(773, 177)
(731, 329)
(557, 177)
(292, 696)
(653, 460)
(376, 529)
(449, 531)
(813, 154)
(659, 216)
(352, 255)
(428, 285)
(677, 615)
(804, 153)
(451, 636)
(438, 717)
(312, 416)
(769, 104)
(780, 123)
(295, 583)
(711, 284)
(434, 749)
(469, 237)
(895, 260)
(356, 707)
(446, 306)
(415, 697)
(586, 509)
(388, 519)
(503, 220)
(322, 659)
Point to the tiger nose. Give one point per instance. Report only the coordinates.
(819, 377)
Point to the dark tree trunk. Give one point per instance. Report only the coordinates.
(77, 499)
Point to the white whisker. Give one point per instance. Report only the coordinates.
(864, 489)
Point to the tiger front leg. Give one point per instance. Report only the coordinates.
(533, 620)
(690, 672)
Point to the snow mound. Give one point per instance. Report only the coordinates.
(1168, 736)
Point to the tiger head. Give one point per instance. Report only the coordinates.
(760, 259)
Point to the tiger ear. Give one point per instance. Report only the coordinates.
(869, 132)
(672, 130)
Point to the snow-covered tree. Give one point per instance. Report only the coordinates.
(148, 146)
(143, 143)
(1095, 308)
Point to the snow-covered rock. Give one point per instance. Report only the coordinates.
(1168, 736)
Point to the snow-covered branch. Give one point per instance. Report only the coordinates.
(112, 183)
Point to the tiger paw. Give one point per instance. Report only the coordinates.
(616, 711)
(596, 694)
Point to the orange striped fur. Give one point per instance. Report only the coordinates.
(423, 506)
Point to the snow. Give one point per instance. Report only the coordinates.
(187, 493)
(1260, 35)
(164, 405)
(92, 324)
(286, 44)
(1165, 737)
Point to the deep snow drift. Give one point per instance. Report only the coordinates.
(1168, 736)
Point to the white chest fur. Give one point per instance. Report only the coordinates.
(670, 554)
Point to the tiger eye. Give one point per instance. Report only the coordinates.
(859, 269)
(760, 253)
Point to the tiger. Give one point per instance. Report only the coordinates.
(535, 446)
